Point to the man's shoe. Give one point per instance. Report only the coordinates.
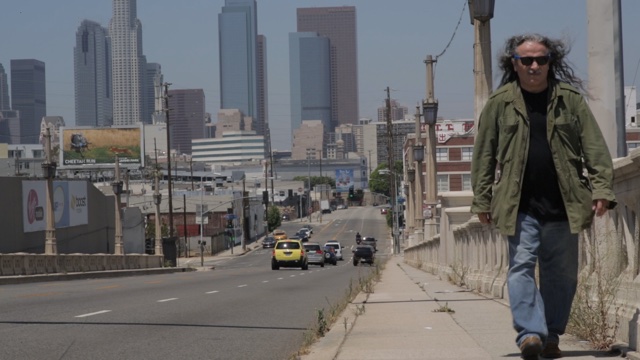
(551, 351)
(530, 348)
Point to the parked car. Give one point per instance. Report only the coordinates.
(289, 253)
(341, 207)
(315, 255)
(337, 247)
(363, 254)
(286, 217)
(330, 255)
(279, 234)
(268, 242)
(371, 241)
(383, 210)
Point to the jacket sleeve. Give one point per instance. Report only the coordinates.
(483, 163)
(596, 155)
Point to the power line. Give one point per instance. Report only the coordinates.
(464, 5)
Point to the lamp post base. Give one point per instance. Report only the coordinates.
(50, 246)
(119, 249)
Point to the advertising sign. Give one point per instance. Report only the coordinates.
(344, 179)
(98, 147)
(70, 204)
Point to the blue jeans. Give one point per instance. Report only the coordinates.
(545, 312)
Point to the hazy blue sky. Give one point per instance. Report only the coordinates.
(394, 37)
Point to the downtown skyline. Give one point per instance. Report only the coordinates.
(183, 39)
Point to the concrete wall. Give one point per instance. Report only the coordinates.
(94, 238)
(477, 255)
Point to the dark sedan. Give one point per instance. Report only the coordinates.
(268, 242)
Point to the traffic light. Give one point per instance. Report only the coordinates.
(351, 194)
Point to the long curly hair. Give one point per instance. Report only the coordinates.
(559, 69)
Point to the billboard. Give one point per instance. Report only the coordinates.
(344, 179)
(97, 147)
(70, 204)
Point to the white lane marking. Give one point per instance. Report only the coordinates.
(93, 313)
(280, 278)
(292, 276)
(302, 274)
(165, 300)
(211, 292)
(242, 285)
(265, 281)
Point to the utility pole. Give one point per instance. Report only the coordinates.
(392, 177)
(191, 168)
(184, 225)
(49, 170)
(169, 187)
(430, 112)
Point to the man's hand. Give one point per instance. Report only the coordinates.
(485, 218)
(600, 206)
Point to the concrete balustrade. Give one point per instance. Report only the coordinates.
(477, 255)
(34, 264)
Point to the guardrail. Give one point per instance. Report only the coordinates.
(34, 264)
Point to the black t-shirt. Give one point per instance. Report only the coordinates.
(541, 197)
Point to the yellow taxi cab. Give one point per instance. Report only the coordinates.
(279, 234)
(289, 253)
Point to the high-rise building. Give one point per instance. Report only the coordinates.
(398, 112)
(187, 118)
(29, 97)
(152, 80)
(260, 123)
(92, 75)
(310, 79)
(339, 25)
(128, 64)
(4, 90)
(237, 32)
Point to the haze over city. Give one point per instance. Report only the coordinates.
(393, 40)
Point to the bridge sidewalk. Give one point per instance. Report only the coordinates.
(406, 318)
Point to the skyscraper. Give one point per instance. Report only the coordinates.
(310, 79)
(4, 90)
(242, 61)
(339, 25)
(128, 64)
(153, 78)
(187, 118)
(29, 97)
(92, 75)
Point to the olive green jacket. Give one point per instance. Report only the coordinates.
(502, 145)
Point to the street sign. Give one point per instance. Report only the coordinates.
(205, 219)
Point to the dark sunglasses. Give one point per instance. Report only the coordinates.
(528, 60)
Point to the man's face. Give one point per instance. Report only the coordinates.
(533, 77)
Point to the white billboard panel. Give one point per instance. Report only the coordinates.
(70, 204)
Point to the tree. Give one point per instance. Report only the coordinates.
(274, 219)
(150, 230)
(379, 183)
(315, 180)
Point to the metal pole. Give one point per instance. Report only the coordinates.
(309, 189)
(184, 225)
(481, 67)
(418, 218)
(201, 222)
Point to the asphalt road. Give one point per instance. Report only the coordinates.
(240, 310)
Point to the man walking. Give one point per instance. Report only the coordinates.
(540, 171)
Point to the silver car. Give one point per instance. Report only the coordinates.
(315, 254)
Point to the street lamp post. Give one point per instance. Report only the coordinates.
(117, 191)
(418, 157)
(481, 12)
(430, 114)
(49, 171)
